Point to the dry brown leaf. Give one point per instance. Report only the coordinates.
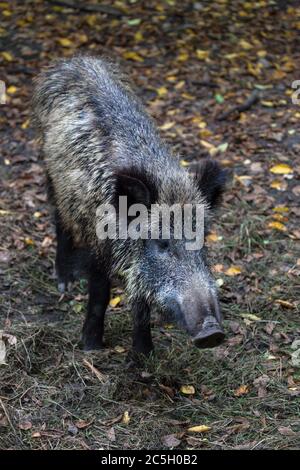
(171, 441)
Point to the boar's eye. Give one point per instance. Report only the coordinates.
(162, 245)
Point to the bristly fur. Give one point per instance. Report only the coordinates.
(94, 128)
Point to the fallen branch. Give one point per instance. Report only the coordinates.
(108, 10)
(240, 108)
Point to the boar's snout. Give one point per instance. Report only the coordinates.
(210, 335)
(201, 318)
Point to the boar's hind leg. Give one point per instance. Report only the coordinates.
(99, 293)
(64, 259)
(142, 340)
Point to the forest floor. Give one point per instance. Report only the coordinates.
(194, 64)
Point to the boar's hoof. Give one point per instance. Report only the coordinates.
(209, 338)
(92, 344)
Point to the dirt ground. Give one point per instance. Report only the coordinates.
(217, 76)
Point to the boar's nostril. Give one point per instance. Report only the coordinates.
(209, 338)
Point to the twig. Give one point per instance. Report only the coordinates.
(9, 421)
(240, 108)
(108, 10)
(101, 377)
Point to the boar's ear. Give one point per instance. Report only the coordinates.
(211, 181)
(136, 190)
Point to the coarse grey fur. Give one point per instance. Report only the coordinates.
(94, 128)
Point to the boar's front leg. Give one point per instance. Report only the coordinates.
(142, 339)
(64, 254)
(99, 294)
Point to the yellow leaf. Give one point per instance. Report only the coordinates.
(200, 428)
(242, 390)
(245, 45)
(133, 56)
(233, 271)
(25, 124)
(280, 209)
(119, 349)
(207, 145)
(138, 37)
(37, 215)
(167, 125)
(213, 237)
(205, 133)
(267, 104)
(184, 163)
(281, 169)
(279, 185)
(187, 96)
(187, 389)
(250, 316)
(65, 42)
(6, 13)
(202, 55)
(126, 418)
(91, 20)
(262, 53)
(115, 301)
(29, 241)
(162, 91)
(7, 56)
(12, 90)
(183, 57)
(179, 85)
(83, 38)
(277, 226)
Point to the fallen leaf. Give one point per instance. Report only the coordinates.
(201, 54)
(242, 390)
(286, 431)
(171, 441)
(11, 90)
(233, 271)
(200, 428)
(82, 424)
(167, 126)
(111, 435)
(250, 316)
(183, 57)
(279, 185)
(277, 226)
(213, 237)
(187, 389)
(25, 425)
(281, 209)
(126, 418)
(281, 169)
(115, 301)
(65, 42)
(7, 56)
(133, 56)
(284, 303)
(119, 349)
